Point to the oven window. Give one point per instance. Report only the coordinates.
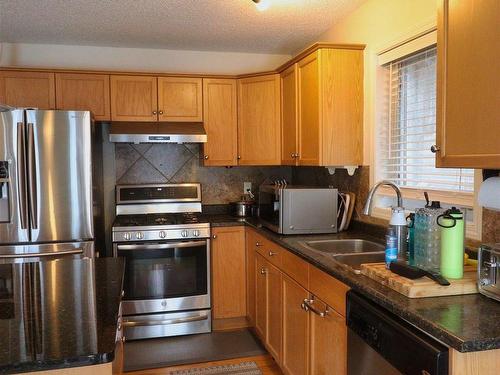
(155, 272)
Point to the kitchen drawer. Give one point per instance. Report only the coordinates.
(295, 267)
(329, 289)
(270, 251)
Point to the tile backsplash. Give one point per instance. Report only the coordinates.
(174, 163)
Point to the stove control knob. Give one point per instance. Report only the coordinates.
(126, 236)
(162, 234)
(184, 233)
(196, 233)
(139, 235)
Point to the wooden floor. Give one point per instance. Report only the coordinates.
(265, 362)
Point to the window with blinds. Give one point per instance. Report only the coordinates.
(409, 128)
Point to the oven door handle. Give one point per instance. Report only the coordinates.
(196, 318)
(162, 246)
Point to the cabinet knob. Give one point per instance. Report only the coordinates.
(435, 148)
(161, 112)
(154, 112)
(206, 157)
(271, 253)
(263, 271)
(214, 236)
(258, 244)
(239, 157)
(292, 155)
(296, 155)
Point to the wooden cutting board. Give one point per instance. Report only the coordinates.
(422, 287)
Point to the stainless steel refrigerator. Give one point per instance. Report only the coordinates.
(45, 184)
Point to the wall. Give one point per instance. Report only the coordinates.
(135, 59)
(162, 163)
(379, 24)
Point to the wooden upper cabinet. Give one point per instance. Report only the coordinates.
(228, 272)
(221, 122)
(84, 92)
(289, 148)
(328, 341)
(309, 110)
(133, 98)
(468, 96)
(27, 89)
(328, 109)
(259, 120)
(180, 99)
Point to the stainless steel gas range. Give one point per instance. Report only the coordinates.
(165, 241)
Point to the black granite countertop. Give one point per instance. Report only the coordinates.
(58, 314)
(466, 323)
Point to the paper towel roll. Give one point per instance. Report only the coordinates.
(489, 193)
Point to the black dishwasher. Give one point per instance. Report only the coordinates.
(378, 342)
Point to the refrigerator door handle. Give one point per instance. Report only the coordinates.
(21, 174)
(32, 177)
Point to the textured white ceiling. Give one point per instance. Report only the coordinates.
(213, 25)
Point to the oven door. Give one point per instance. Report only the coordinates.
(165, 276)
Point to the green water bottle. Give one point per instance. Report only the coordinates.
(452, 225)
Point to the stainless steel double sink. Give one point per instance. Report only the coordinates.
(349, 252)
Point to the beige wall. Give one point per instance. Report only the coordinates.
(135, 59)
(380, 24)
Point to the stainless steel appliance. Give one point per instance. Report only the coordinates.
(45, 184)
(379, 342)
(165, 241)
(289, 209)
(164, 132)
(489, 270)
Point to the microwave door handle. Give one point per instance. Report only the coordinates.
(21, 175)
(32, 177)
(162, 246)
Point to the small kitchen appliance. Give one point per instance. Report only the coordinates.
(289, 209)
(165, 241)
(489, 270)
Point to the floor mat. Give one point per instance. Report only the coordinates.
(244, 368)
(180, 350)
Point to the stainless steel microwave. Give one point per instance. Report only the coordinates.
(298, 209)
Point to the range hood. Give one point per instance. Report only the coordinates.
(157, 132)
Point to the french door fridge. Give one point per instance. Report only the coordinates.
(45, 184)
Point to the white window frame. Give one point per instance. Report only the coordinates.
(398, 50)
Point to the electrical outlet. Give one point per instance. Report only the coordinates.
(247, 186)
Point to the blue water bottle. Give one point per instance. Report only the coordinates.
(391, 247)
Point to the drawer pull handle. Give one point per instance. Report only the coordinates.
(309, 307)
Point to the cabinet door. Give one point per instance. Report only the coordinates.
(180, 99)
(289, 116)
(259, 120)
(221, 122)
(328, 346)
(133, 98)
(260, 296)
(468, 97)
(274, 311)
(308, 110)
(251, 240)
(295, 329)
(84, 92)
(228, 272)
(27, 89)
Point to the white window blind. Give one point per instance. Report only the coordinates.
(409, 129)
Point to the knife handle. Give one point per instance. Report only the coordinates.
(438, 278)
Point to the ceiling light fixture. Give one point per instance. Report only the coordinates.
(262, 4)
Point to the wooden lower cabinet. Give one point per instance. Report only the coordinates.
(268, 312)
(228, 266)
(328, 341)
(303, 340)
(295, 329)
